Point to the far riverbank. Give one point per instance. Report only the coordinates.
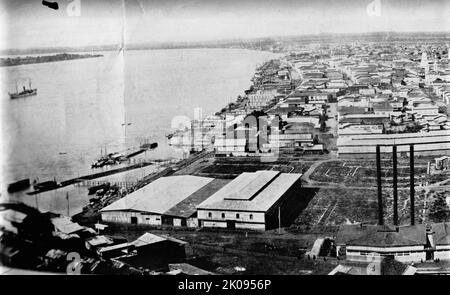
(16, 61)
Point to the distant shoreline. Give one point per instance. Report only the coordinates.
(260, 44)
(16, 61)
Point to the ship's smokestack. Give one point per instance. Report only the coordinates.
(411, 182)
(380, 197)
(394, 183)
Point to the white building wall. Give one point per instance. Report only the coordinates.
(386, 249)
(125, 217)
(250, 220)
(214, 224)
(230, 149)
(192, 222)
(412, 257)
(442, 252)
(254, 226)
(231, 215)
(402, 254)
(176, 222)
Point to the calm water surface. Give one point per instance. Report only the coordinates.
(81, 107)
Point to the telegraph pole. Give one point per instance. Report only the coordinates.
(411, 182)
(279, 219)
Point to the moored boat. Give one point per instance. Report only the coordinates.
(19, 185)
(46, 185)
(25, 92)
(150, 146)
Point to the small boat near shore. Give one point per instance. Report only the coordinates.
(117, 158)
(92, 190)
(109, 159)
(19, 185)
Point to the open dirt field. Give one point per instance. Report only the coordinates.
(363, 172)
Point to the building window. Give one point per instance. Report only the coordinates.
(209, 214)
(251, 216)
(223, 215)
(237, 215)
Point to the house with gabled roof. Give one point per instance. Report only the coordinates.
(168, 201)
(413, 243)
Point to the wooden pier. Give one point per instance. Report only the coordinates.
(93, 176)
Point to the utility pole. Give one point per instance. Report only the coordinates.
(411, 183)
(394, 183)
(37, 204)
(379, 191)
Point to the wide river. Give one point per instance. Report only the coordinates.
(114, 102)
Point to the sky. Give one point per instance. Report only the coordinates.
(29, 24)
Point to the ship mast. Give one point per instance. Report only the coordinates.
(68, 204)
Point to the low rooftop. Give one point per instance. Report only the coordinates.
(381, 236)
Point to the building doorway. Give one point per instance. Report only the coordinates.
(133, 220)
(231, 224)
(429, 255)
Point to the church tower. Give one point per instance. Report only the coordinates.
(424, 60)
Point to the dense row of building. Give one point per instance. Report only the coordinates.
(389, 102)
(251, 201)
(382, 91)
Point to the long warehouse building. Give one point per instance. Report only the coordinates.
(425, 143)
(253, 200)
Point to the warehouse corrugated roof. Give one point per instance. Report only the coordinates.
(160, 195)
(188, 206)
(250, 184)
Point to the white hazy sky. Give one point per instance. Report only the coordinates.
(27, 23)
